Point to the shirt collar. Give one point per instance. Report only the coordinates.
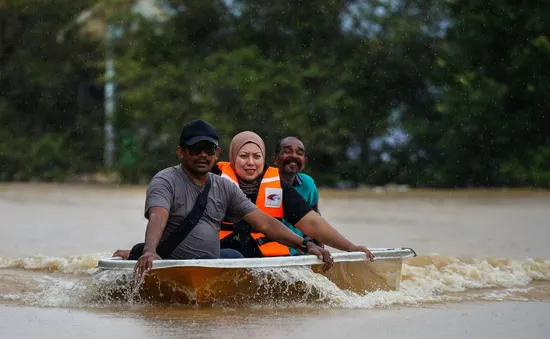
(297, 180)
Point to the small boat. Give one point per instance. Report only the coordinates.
(206, 281)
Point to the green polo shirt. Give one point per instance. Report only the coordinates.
(305, 185)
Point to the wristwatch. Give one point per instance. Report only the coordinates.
(303, 247)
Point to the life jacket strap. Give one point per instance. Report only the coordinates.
(227, 226)
(263, 240)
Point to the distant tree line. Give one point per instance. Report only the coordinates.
(428, 93)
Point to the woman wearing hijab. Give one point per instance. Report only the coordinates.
(262, 185)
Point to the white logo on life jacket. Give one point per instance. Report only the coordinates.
(273, 197)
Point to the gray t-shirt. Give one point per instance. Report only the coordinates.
(173, 189)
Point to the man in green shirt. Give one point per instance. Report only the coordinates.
(290, 158)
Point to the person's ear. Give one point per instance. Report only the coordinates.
(218, 152)
(274, 159)
(179, 152)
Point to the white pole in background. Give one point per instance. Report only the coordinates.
(110, 101)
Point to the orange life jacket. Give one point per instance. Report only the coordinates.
(269, 201)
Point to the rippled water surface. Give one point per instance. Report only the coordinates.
(482, 271)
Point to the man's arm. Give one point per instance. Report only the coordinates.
(158, 216)
(316, 227)
(160, 195)
(275, 230)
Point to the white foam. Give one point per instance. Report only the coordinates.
(70, 264)
(425, 279)
(455, 275)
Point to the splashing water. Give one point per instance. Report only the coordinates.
(74, 282)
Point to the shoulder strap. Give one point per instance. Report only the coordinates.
(166, 247)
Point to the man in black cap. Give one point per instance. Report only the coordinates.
(174, 191)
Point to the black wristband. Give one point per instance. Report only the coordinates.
(303, 247)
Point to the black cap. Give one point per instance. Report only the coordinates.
(196, 131)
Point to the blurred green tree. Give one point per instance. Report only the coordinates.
(50, 103)
(490, 125)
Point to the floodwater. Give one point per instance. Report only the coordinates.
(482, 271)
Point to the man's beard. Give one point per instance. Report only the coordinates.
(197, 172)
(289, 161)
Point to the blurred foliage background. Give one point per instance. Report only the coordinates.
(426, 93)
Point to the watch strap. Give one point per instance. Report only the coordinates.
(303, 247)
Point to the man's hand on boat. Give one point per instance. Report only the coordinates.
(370, 256)
(145, 262)
(322, 254)
(124, 254)
(275, 230)
(319, 229)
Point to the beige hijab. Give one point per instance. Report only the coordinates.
(242, 139)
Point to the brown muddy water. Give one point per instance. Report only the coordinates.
(482, 271)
